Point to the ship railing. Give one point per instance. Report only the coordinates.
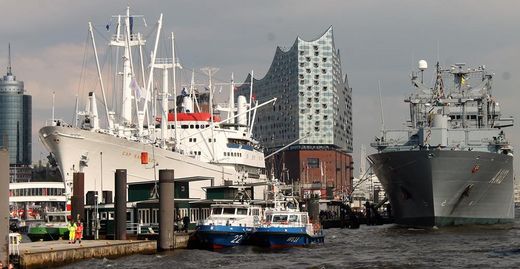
(121, 37)
(163, 61)
(56, 122)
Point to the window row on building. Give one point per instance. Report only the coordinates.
(37, 192)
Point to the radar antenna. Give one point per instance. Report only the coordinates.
(9, 72)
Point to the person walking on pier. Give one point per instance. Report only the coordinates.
(79, 232)
(72, 232)
(178, 223)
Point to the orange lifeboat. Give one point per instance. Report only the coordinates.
(144, 157)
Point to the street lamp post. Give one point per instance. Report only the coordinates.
(96, 223)
(101, 160)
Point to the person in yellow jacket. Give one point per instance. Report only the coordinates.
(72, 232)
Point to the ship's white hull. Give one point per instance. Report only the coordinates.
(98, 155)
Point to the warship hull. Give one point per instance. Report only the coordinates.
(429, 188)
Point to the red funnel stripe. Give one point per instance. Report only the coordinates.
(200, 116)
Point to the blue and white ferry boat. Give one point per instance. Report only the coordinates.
(286, 226)
(228, 225)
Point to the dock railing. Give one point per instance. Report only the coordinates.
(132, 227)
(148, 228)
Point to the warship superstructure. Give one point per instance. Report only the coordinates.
(453, 164)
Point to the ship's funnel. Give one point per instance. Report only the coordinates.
(440, 121)
(187, 104)
(242, 108)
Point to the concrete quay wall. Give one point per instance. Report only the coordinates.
(58, 255)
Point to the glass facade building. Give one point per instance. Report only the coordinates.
(314, 108)
(15, 120)
(314, 99)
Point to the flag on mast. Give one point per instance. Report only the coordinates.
(134, 86)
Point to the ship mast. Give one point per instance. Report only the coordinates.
(150, 77)
(175, 65)
(211, 71)
(164, 64)
(126, 107)
(109, 120)
(127, 40)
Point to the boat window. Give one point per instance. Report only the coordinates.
(229, 210)
(256, 212)
(293, 218)
(241, 211)
(216, 211)
(184, 126)
(304, 219)
(268, 218)
(279, 218)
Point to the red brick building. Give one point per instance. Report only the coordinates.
(325, 171)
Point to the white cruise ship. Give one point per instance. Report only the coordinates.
(196, 145)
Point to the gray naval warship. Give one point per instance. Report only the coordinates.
(452, 165)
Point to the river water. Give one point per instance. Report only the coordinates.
(386, 246)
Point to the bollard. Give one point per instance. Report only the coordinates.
(78, 196)
(120, 204)
(4, 206)
(313, 207)
(25, 211)
(166, 208)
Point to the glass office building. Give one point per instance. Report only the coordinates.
(314, 99)
(15, 119)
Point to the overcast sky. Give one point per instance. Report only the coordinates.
(378, 40)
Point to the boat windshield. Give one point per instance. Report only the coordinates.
(229, 210)
(216, 211)
(241, 211)
(280, 218)
(293, 218)
(56, 218)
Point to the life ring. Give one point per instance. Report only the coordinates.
(475, 168)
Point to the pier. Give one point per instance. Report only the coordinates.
(57, 253)
(48, 254)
